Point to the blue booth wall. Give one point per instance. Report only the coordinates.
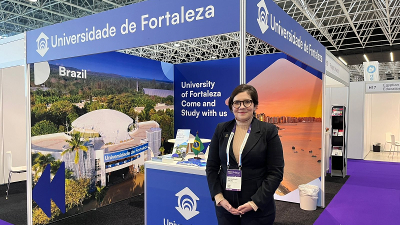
(290, 96)
(217, 79)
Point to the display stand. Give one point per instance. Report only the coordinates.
(338, 154)
(177, 194)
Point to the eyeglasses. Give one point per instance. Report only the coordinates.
(246, 103)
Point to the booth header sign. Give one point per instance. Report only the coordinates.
(382, 87)
(140, 24)
(334, 69)
(268, 22)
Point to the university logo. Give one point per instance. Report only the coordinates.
(187, 203)
(41, 42)
(262, 16)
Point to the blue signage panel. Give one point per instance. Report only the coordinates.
(268, 22)
(185, 199)
(201, 91)
(141, 24)
(114, 156)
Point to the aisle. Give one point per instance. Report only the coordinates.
(370, 196)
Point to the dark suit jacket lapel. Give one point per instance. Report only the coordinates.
(254, 136)
(227, 131)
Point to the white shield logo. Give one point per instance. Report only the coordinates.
(41, 42)
(187, 203)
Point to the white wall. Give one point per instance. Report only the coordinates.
(355, 140)
(13, 120)
(385, 117)
(367, 124)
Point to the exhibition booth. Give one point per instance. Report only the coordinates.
(87, 121)
(381, 118)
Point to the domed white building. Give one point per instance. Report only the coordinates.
(112, 125)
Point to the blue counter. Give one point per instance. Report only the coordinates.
(177, 195)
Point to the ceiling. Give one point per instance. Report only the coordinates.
(346, 28)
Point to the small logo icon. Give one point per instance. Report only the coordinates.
(262, 16)
(371, 69)
(187, 203)
(41, 42)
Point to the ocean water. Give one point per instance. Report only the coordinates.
(300, 167)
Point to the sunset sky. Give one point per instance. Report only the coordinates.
(285, 89)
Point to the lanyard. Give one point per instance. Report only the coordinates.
(241, 147)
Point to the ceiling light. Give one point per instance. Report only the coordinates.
(341, 59)
(177, 45)
(33, 0)
(366, 58)
(391, 56)
(214, 57)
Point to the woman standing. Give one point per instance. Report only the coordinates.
(245, 164)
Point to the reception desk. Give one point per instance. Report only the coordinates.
(177, 195)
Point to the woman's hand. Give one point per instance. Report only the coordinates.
(244, 208)
(224, 203)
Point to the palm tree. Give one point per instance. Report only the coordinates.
(40, 162)
(75, 144)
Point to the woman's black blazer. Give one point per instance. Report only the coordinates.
(262, 166)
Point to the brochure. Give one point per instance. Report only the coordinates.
(181, 141)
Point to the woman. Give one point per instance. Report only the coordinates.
(245, 164)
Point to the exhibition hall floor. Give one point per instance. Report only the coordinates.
(369, 195)
(383, 156)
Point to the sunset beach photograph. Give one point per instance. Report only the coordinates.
(291, 98)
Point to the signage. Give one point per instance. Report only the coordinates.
(114, 156)
(335, 69)
(123, 162)
(140, 24)
(382, 87)
(185, 198)
(187, 203)
(371, 71)
(268, 22)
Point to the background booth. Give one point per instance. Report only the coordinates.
(382, 110)
(200, 93)
(14, 132)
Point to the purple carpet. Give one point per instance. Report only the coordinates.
(370, 196)
(4, 223)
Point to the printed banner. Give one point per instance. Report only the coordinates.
(290, 97)
(140, 24)
(95, 121)
(371, 71)
(202, 89)
(268, 22)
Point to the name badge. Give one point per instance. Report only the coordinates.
(234, 180)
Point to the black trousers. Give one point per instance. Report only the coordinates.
(229, 219)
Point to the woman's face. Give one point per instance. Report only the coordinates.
(243, 113)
